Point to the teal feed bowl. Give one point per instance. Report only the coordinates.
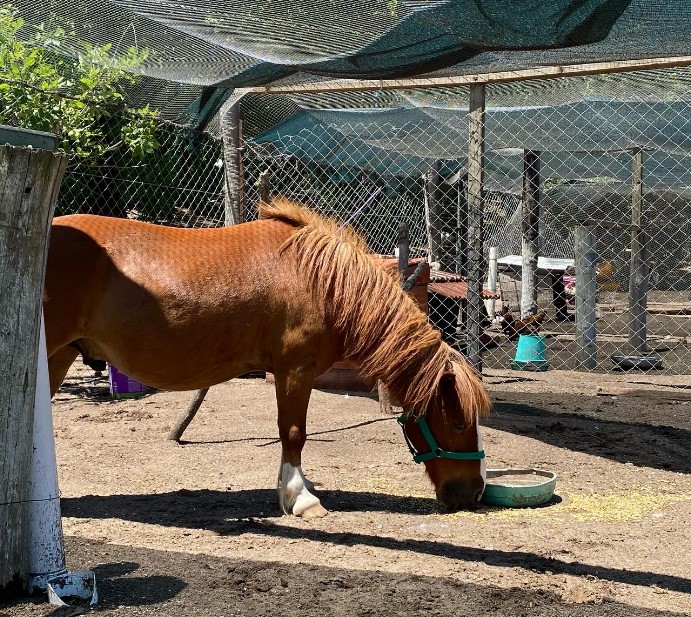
(518, 488)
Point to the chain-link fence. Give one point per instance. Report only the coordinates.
(602, 158)
(179, 184)
(605, 160)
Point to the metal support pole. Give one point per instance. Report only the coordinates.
(492, 278)
(385, 405)
(585, 258)
(461, 224)
(433, 213)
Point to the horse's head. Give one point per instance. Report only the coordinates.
(446, 437)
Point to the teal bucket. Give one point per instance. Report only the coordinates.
(530, 354)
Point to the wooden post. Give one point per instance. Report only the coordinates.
(585, 258)
(185, 419)
(638, 291)
(433, 212)
(403, 248)
(403, 257)
(231, 136)
(476, 270)
(29, 184)
(530, 228)
(638, 277)
(264, 186)
(384, 398)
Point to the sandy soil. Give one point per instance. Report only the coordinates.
(195, 529)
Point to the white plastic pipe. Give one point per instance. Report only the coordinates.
(492, 276)
(46, 548)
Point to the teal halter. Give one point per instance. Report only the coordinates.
(434, 450)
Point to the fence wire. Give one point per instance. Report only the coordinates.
(179, 184)
(562, 161)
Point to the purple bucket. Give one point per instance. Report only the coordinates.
(123, 386)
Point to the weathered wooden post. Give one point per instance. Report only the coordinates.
(264, 186)
(403, 248)
(638, 277)
(29, 184)
(231, 136)
(476, 269)
(184, 420)
(530, 236)
(586, 287)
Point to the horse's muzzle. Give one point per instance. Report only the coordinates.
(461, 494)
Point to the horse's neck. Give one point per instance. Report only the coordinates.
(396, 356)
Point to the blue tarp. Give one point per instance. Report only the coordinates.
(579, 141)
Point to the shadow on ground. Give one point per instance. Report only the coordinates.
(634, 430)
(136, 581)
(239, 512)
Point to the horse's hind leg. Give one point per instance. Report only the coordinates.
(58, 365)
(293, 389)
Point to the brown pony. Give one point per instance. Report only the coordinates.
(183, 309)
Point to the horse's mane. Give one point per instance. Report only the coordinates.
(391, 339)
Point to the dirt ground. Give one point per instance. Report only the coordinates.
(195, 529)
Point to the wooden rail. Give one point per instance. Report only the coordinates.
(497, 77)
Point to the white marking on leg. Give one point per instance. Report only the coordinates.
(293, 494)
(309, 485)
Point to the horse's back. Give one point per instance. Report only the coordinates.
(117, 236)
(81, 243)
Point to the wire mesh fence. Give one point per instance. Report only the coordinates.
(180, 184)
(606, 155)
(603, 159)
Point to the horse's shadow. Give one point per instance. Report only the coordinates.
(231, 512)
(250, 511)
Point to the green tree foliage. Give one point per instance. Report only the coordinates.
(80, 100)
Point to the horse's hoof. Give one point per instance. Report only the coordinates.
(315, 511)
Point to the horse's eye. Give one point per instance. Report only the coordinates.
(459, 427)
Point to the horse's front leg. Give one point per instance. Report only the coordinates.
(293, 389)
